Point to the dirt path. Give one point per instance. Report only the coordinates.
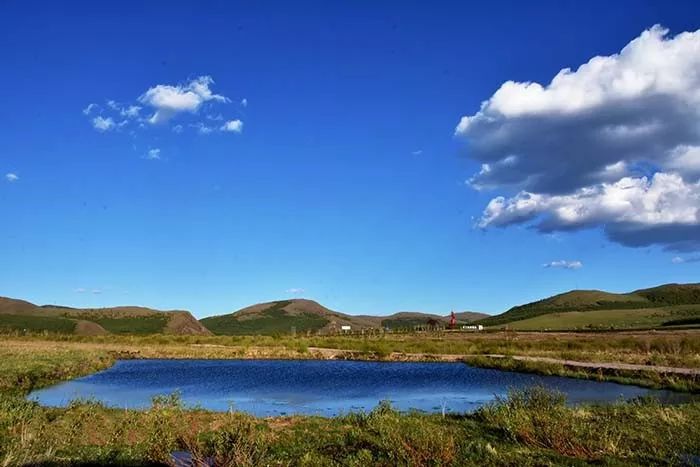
(337, 354)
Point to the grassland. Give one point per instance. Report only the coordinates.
(665, 296)
(35, 324)
(618, 319)
(528, 428)
(133, 325)
(23, 316)
(269, 321)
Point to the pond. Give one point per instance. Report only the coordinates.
(319, 387)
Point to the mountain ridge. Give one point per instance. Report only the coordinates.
(22, 315)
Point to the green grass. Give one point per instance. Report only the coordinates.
(644, 318)
(531, 427)
(650, 379)
(133, 325)
(591, 300)
(405, 323)
(271, 321)
(36, 323)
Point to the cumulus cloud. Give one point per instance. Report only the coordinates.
(103, 124)
(153, 154)
(163, 103)
(234, 126)
(168, 100)
(563, 264)
(614, 143)
(11, 177)
(244, 102)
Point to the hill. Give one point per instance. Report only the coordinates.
(22, 315)
(582, 301)
(411, 319)
(279, 317)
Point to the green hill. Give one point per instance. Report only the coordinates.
(411, 319)
(19, 315)
(582, 301)
(280, 317)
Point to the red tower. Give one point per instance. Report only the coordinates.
(453, 320)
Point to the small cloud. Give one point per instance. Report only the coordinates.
(244, 102)
(89, 109)
(202, 129)
(80, 290)
(234, 126)
(153, 154)
(168, 100)
(687, 259)
(11, 177)
(177, 128)
(131, 112)
(563, 264)
(103, 124)
(96, 291)
(417, 152)
(295, 291)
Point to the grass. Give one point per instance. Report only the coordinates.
(36, 323)
(644, 318)
(651, 379)
(591, 300)
(133, 325)
(271, 321)
(533, 427)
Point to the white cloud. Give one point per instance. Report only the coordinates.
(103, 124)
(664, 199)
(417, 152)
(11, 177)
(235, 126)
(153, 154)
(178, 128)
(80, 290)
(202, 129)
(131, 112)
(89, 109)
(295, 291)
(615, 143)
(96, 291)
(168, 100)
(244, 102)
(563, 264)
(687, 259)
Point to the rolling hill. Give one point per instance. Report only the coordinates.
(21, 315)
(657, 304)
(279, 317)
(411, 319)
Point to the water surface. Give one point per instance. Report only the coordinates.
(318, 387)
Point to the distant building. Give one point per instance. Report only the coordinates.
(473, 327)
(345, 328)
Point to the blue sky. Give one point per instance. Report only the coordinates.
(345, 179)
